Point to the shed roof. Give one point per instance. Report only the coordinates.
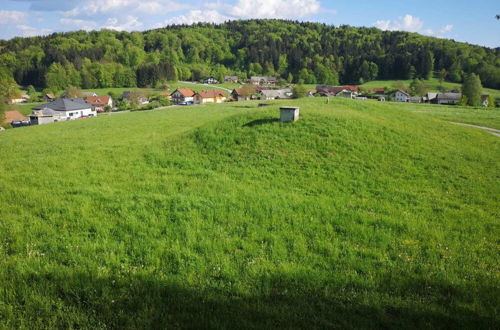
(186, 92)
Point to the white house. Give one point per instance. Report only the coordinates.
(402, 96)
(60, 110)
(182, 95)
(276, 94)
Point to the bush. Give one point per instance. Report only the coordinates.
(299, 91)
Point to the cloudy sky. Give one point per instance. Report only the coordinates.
(462, 20)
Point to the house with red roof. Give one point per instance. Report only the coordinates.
(211, 96)
(100, 102)
(182, 95)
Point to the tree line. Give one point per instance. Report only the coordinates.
(297, 52)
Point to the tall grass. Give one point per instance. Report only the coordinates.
(359, 215)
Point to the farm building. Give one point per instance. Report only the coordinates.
(401, 96)
(449, 98)
(276, 94)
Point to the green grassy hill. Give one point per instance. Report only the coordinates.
(359, 215)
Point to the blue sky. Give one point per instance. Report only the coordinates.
(462, 20)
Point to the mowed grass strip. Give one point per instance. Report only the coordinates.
(359, 215)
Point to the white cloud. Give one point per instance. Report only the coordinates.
(29, 31)
(406, 23)
(151, 7)
(195, 16)
(275, 8)
(78, 24)
(129, 23)
(220, 11)
(412, 24)
(11, 16)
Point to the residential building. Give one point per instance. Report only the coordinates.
(211, 80)
(141, 99)
(401, 96)
(263, 81)
(212, 96)
(239, 94)
(430, 98)
(182, 95)
(49, 97)
(352, 88)
(60, 110)
(23, 99)
(415, 99)
(100, 102)
(328, 90)
(275, 94)
(231, 79)
(449, 98)
(379, 90)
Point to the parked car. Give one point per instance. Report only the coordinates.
(187, 103)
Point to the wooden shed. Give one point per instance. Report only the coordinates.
(289, 114)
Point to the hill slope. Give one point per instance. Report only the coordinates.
(361, 215)
(295, 51)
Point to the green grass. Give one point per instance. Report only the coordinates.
(433, 85)
(359, 215)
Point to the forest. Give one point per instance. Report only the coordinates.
(297, 52)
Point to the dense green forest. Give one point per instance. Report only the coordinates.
(294, 51)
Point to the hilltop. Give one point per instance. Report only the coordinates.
(359, 215)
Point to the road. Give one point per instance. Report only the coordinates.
(490, 130)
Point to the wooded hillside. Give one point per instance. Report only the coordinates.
(296, 52)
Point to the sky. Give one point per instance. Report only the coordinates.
(462, 20)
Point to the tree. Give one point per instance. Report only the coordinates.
(418, 87)
(56, 78)
(299, 91)
(9, 89)
(472, 89)
(247, 90)
(74, 92)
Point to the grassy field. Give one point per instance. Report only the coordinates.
(361, 215)
(433, 85)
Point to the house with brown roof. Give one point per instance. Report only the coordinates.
(100, 102)
(211, 96)
(352, 88)
(49, 97)
(182, 95)
(264, 81)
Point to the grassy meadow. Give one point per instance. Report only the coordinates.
(361, 215)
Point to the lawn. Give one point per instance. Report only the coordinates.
(361, 215)
(433, 85)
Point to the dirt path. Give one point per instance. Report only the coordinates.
(490, 130)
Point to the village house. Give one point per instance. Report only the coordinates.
(276, 94)
(415, 99)
(352, 88)
(484, 100)
(141, 99)
(348, 94)
(238, 94)
(211, 80)
(60, 110)
(449, 98)
(231, 79)
(100, 102)
(401, 96)
(430, 98)
(49, 97)
(263, 81)
(325, 90)
(23, 99)
(212, 96)
(183, 95)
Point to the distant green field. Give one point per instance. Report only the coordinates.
(433, 85)
(361, 215)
